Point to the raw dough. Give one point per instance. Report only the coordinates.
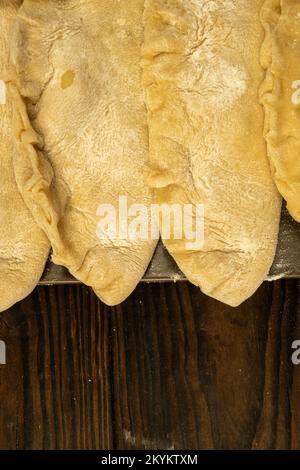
(23, 246)
(78, 66)
(280, 95)
(202, 75)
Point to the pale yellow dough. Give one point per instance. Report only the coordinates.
(280, 95)
(23, 246)
(202, 75)
(78, 71)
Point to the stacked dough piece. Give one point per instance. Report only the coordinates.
(78, 67)
(153, 100)
(280, 96)
(202, 75)
(24, 247)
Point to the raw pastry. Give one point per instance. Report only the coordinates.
(78, 67)
(280, 95)
(23, 246)
(202, 75)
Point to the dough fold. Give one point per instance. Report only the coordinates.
(202, 73)
(280, 96)
(78, 72)
(24, 247)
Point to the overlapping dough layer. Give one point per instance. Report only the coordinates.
(78, 71)
(23, 246)
(202, 75)
(280, 96)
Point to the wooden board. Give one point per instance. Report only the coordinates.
(168, 369)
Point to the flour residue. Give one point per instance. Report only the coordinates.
(2, 92)
(224, 84)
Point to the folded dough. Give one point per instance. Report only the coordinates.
(281, 97)
(23, 246)
(78, 70)
(202, 74)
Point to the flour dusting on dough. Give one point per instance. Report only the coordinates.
(227, 83)
(2, 92)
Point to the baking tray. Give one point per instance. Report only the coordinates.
(163, 268)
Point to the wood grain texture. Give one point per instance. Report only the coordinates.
(168, 369)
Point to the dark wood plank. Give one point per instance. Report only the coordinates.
(55, 387)
(279, 424)
(168, 369)
(192, 369)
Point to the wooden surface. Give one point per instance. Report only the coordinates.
(168, 369)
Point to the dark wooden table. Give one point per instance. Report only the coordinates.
(168, 369)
